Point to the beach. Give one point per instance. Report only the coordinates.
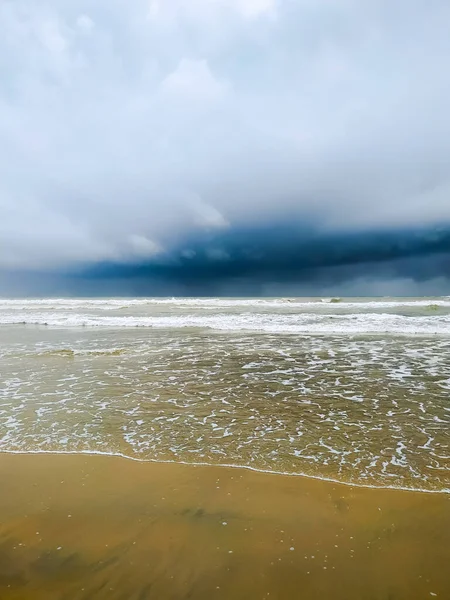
(81, 527)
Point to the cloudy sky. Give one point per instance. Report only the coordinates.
(208, 145)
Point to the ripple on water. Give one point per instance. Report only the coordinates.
(361, 410)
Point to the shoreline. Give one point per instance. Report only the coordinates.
(118, 455)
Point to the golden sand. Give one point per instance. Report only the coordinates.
(88, 527)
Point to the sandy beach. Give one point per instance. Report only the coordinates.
(82, 527)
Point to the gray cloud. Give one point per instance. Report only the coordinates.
(126, 125)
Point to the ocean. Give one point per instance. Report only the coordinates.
(349, 390)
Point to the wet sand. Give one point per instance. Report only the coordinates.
(87, 527)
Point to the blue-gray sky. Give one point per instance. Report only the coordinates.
(152, 132)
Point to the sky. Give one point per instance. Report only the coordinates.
(224, 146)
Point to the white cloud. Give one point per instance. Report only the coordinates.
(255, 8)
(141, 247)
(85, 24)
(193, 80)
(152, 119)
(207, 216)
(153, 9)
(51, 36)
(247, 9)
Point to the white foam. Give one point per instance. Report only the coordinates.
(306, 323)
(220, 303)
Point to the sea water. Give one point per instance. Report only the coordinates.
(353, 390)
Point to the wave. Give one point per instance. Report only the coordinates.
(303, 323)
(70, 353)
(109, 304)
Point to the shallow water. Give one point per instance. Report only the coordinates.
(355, 391)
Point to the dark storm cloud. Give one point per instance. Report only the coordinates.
(163, 133)
(287, 254)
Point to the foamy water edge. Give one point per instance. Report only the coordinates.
(226, 466)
